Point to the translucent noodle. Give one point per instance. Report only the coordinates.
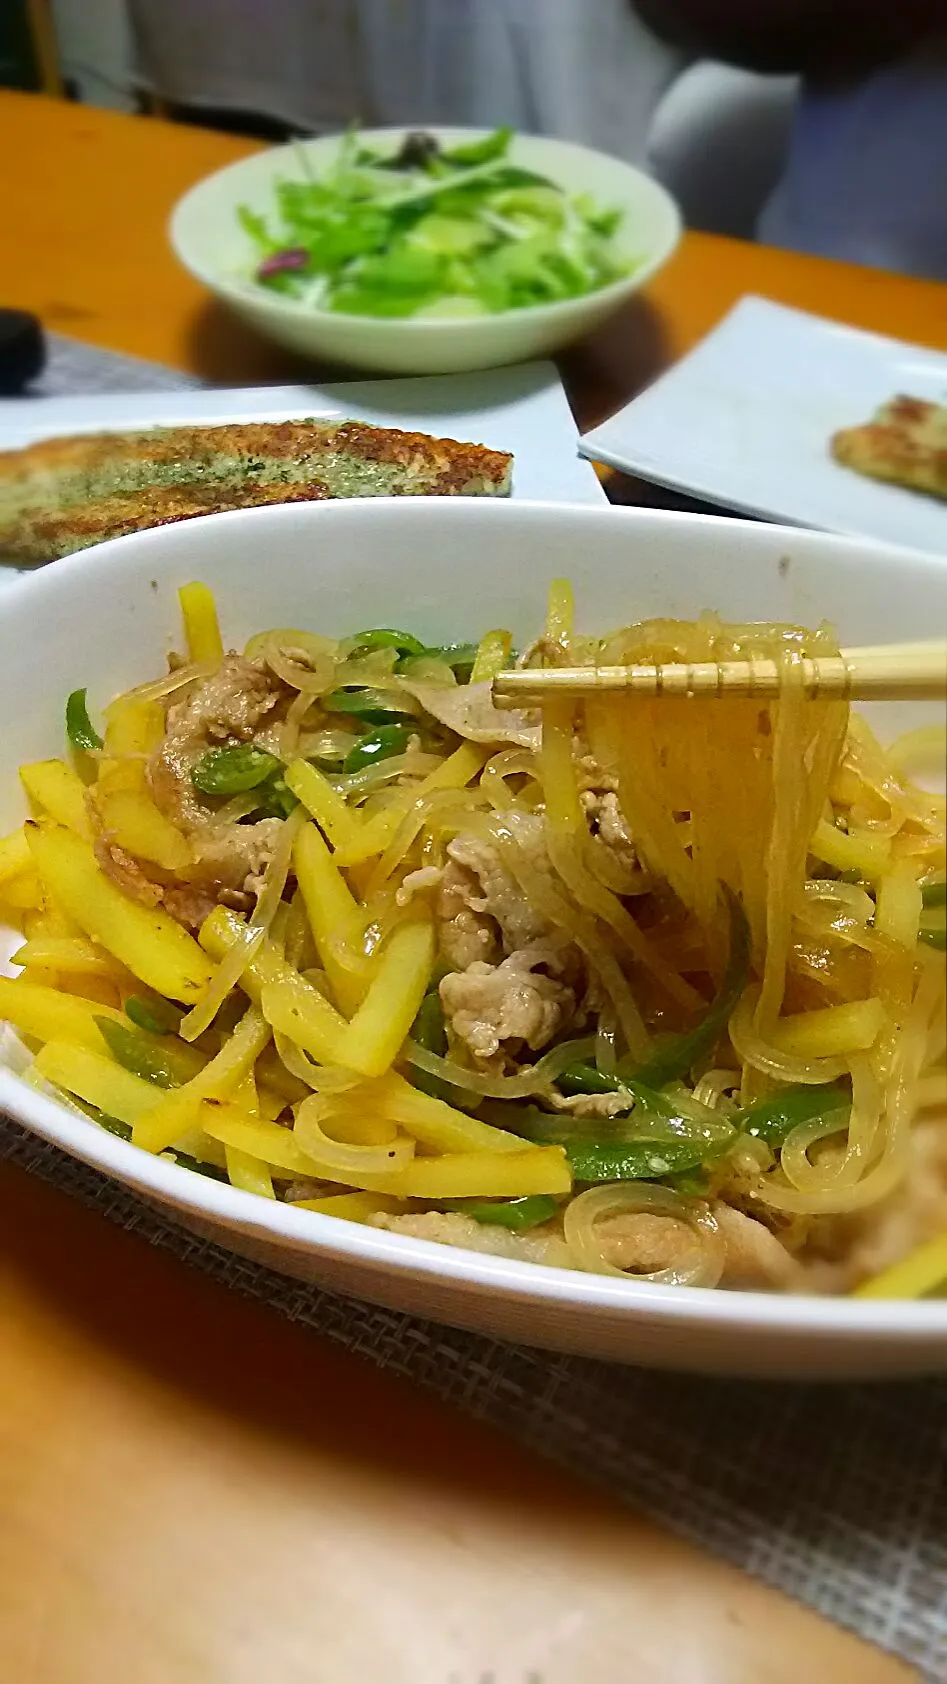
(701, 1248)
(749, 1045)
(566, 840)
(439, 805)
(512, 762)
(412, 764)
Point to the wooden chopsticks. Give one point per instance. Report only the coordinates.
(893, 672)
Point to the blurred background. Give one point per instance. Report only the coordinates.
(585, 70)
(819, 126)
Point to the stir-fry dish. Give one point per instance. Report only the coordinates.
(644, 986)
(429, 230)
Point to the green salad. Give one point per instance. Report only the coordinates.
(432, 231)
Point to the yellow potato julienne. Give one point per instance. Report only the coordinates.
(137, 825)
(147, 940)
(335, 918)
(66, 954)
(341, 1058)
(57, 790)
(201, 626)
(48, 1014)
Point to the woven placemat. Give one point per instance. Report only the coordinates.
(837, 1494)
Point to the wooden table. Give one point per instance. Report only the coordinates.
(191, 1490)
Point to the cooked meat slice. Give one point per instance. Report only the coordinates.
(607, 821)
(42, 536)
(417, 882)
(591, 774)
(468, 710)
(465, 935)
(542, 1246)
(233, 856)
(754, 1257)
(231, 703)
(500, 897)
(489, 1005)
(61, 494)
(127, 872)
(643, 1243)
(905, 443)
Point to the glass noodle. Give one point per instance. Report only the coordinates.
(652, 986)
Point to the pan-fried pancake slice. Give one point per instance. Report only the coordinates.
(905, 443)
(64, 494)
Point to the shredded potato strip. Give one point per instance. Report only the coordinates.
(246, 1171)
(180, 1110)
(335, 918)
(145, 939)
(201, 627)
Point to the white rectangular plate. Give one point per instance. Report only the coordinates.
(745, 421)
(522, 409)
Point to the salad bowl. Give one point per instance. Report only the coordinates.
(209, 233)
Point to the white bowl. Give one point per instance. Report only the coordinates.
(453, 568)
(210, 243)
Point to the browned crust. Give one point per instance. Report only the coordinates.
(280, 440)
(43, 537)
(905, 444)
(457, 464)
(63, 494)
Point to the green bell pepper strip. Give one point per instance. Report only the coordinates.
(935, 894)
(155, 1016)
(673, 1061)
(634, 1160)
(135, 1051)
(428, 1028)
(79, 728)
(771, 1120)
(585, 1078)
(429, 1032)
(380, 744)
(112, 1125)
(459, 656)
(935, 936)
(233, 770)
(518, 1215)
(385, 637)
(371, 705)
(277, 800)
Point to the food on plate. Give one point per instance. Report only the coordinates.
(428, 230)
(905, 443)
(63, 494)
(649, 987)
